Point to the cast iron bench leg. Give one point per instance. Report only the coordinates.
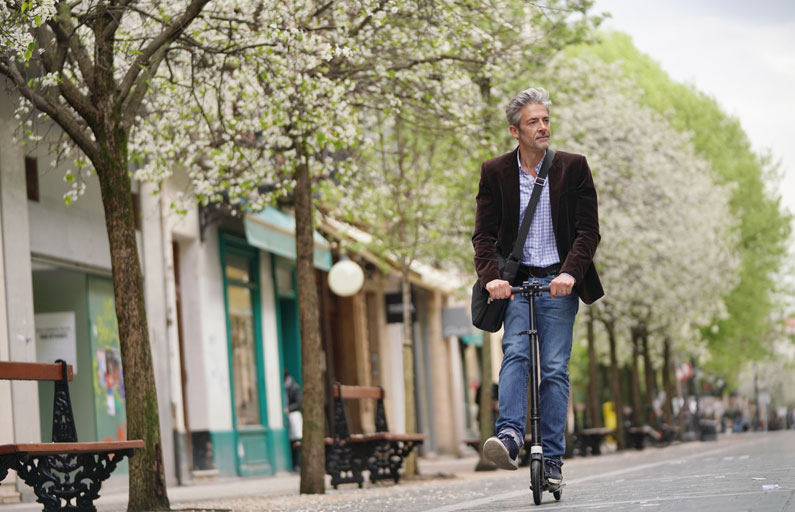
(6, 462)
(67, 482)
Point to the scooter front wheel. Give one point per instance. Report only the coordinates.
(536, 480)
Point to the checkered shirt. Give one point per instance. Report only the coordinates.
(540, 249)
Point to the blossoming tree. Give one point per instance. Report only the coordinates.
(87, 66)
(661, 211)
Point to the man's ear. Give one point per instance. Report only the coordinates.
(514, 131)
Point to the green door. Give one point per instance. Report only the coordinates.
(241, 292)
(289, 327)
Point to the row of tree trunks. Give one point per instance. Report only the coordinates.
(637, 405)
(668, 409)
(615, 384)
(592, 407)
(640, 349)
(651, 378)
(485, 418)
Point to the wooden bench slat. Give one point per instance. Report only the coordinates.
(33, 371)
(357, 392)
(69, 448)
(405, 437)
(600, 431)
(363, 438)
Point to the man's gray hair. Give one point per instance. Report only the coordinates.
(532, 95)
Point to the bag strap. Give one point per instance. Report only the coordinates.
(540, 183)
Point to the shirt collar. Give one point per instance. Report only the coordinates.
(538, 167)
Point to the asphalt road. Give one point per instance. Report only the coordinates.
(736, 473)
(740, 472)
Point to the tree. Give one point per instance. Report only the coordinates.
(291, 109)
(650, 227)
(87, 67)
(764, 228)
(280, 113)
(409, 189)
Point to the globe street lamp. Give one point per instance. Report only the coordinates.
(345, 278)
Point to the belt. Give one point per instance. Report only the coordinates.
(540, 271)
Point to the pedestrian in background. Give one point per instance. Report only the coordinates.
(558, 252)
(295, 418)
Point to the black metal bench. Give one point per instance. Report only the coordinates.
(589, 440)
(381, 453)
(637, 435)
(64, 474)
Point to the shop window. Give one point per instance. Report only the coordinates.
(32, 178)
(136, 204)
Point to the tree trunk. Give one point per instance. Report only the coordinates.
(651, 384)
(313, 450)
(485, 418)
(408, 369)
(147, 475)
(615, 386)
(668, 409)
(637, 405)
(592, 407)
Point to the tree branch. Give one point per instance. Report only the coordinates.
(133, 76)
(66, 34)
(142, 85)
(53, 62)
(58, 113)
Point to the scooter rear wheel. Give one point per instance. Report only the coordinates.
(557, 495)
(536, 480)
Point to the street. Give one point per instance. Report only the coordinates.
(740, 472)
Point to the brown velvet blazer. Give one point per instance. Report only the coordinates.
(575, 218)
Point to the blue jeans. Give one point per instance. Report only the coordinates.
(555, 322)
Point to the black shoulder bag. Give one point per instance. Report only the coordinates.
(487, 314)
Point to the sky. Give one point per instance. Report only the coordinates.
(741, 53)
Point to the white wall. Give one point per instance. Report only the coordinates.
(7, 419)
(181, 229)
(74, 233)
(204, 334)
(458, 396)
(270, 342)
(393, 379)
(17, 283)
(16, 318)
(153, 259)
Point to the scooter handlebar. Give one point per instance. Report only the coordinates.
(517, 290)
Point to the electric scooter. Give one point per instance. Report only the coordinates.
(538, 480)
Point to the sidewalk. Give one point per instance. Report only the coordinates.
(282, 487)
(749, 471)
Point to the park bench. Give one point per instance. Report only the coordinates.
(589, 440)
(637, 435)
(668, 434)
(381, 453)
(64, 474)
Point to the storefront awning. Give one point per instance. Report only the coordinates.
(274, 231)
(473, 339)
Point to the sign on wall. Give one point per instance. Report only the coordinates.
(55, 338)
(456, 322)
(394, 308)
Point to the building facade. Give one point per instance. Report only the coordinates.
(222, 311)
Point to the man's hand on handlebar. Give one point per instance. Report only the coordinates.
(558, 287)
(499, 289)
(561, 286)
